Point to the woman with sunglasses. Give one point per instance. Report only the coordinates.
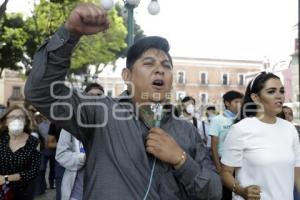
(20, 159)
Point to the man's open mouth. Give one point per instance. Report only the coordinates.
(158, 83)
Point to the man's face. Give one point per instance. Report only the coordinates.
(234, 105)
(150, 77)
(187, 103)
(189, 107)
(210, 113)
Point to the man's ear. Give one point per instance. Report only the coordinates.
(255, 98)
(227, 104)
(126, 74)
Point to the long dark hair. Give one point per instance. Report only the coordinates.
(249, 108)
(281, 114)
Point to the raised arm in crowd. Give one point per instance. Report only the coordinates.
(129, 153)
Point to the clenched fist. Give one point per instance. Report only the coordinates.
(252, 192)
(87, 19)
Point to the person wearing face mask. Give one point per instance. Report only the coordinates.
(20, 159)
(188, 104)
(189, 114)
(204, 128)
(219, 128)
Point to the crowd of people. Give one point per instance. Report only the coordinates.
(139, 145)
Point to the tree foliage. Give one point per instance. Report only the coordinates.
(12, 40)
(21, 38)
(97, 49)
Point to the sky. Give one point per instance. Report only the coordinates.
(227, 29)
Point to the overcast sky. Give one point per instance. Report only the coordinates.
(233, 29)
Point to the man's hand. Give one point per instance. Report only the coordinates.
(163, 146)
(87, 19)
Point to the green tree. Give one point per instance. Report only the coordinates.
(12, 40)
(97, 49)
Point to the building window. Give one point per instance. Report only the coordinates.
(203, 78)
(180, 95)
(16, 92)
(225, 79)
(241, 79)
(203, 98)
(181, 77)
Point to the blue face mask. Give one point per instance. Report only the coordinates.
(229, 114)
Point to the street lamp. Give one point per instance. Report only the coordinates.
(153, 9)
(2, 44)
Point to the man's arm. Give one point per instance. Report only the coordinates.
(198, 176)
(51, 63)
(51, 142)
(194, 172)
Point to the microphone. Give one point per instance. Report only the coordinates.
(157, 109)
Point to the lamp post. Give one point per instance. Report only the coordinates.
(153, 9)
(2, 44)
(130, 5)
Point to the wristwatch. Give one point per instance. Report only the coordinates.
(6, 181)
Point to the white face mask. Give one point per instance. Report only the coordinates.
(210, 117)
(190, 109)
(16, 127)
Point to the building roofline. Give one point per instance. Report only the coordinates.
(217, 60)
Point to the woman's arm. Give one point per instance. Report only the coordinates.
(297, 178)
(11, 178)
(251, 192)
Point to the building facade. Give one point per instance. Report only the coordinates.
(205, 79)
(208, 79)
(11, 88)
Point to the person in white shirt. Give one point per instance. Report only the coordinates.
(287, 114)
(261, 149)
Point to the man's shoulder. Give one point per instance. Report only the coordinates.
(219, 118)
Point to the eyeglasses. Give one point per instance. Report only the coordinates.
(11, 117)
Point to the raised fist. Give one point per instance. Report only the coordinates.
(87, 19)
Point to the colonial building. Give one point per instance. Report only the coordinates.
(11, 88)
(207, 79)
